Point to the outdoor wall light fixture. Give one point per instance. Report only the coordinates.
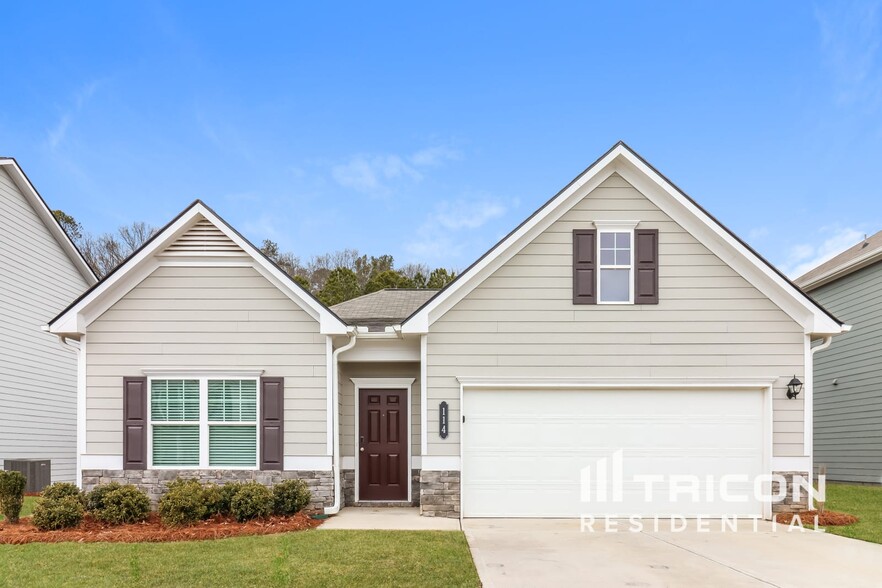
(794, 388)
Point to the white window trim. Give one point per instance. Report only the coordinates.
(203, 421)
(616, 227)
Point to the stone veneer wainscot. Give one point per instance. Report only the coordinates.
(155, 482)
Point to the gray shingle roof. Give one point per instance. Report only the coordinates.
(385, 307)
(867, 246)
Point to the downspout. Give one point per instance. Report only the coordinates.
(81, 405)
(335, 394)
(826, 343)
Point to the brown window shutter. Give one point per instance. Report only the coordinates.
(584, 266)
(135, 423)
(272, 419)
(646, 266)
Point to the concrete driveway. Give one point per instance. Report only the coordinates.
(532, 552)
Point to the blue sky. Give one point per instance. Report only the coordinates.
(429, 132)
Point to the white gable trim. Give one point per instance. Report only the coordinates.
(76, 318)
(42, 209)
(620, 159)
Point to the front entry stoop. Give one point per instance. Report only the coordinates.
(383, 504)
(388, 518)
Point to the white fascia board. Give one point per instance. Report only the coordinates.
(39, 205)
(504, 251)
(125, 278)
(649, 182)
(713, 236)
(329, 324)
(75, 320)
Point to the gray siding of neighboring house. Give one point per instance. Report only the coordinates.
(710, 322)
(848, 416)
(37, 375)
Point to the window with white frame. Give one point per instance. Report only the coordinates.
(616, 283)
(203, 422)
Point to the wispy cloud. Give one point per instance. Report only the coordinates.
(380, 174)
(833, 240)
(432, 156)
(57, 134)
(373, 174)
(850, 42)
(446, 232)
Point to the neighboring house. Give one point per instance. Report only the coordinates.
(40, 272)
(848, 377)
(619, 316)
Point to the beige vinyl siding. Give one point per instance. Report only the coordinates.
(37, 375)
(375, 370)
(204, 317)
(710, 321)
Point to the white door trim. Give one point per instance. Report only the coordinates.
(378, 384)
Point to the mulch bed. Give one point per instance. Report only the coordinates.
(152, 530)
(828, 518)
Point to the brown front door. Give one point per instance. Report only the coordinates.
(382, 445)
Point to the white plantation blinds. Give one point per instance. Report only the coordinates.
(176, 445)
(232, 401)
(232, 445)
(174, 400)
(203, 422)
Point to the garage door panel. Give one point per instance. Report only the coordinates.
(524, 450)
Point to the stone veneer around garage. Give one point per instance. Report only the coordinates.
(155, 482)
(440, 493)
(787, 505)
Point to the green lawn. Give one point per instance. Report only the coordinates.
(864, 502)
(26, 508)
(306, 558)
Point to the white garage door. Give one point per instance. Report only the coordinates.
(524, 452)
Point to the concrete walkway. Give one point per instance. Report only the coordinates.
(388, 519)
(532, 552)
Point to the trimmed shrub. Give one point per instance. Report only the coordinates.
(51, 514)
(214, 500)
(124, 504)
(253, 500)
(183, 504)
(290, 497)
(60, 490)
(95, 498)
(12, 487)
(227, 492)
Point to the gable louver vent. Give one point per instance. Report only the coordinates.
(203, 238)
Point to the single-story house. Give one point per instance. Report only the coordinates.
(848, 378)
(620, 326)
(41, 271)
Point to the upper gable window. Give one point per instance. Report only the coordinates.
(616, 267)
(615, 263)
